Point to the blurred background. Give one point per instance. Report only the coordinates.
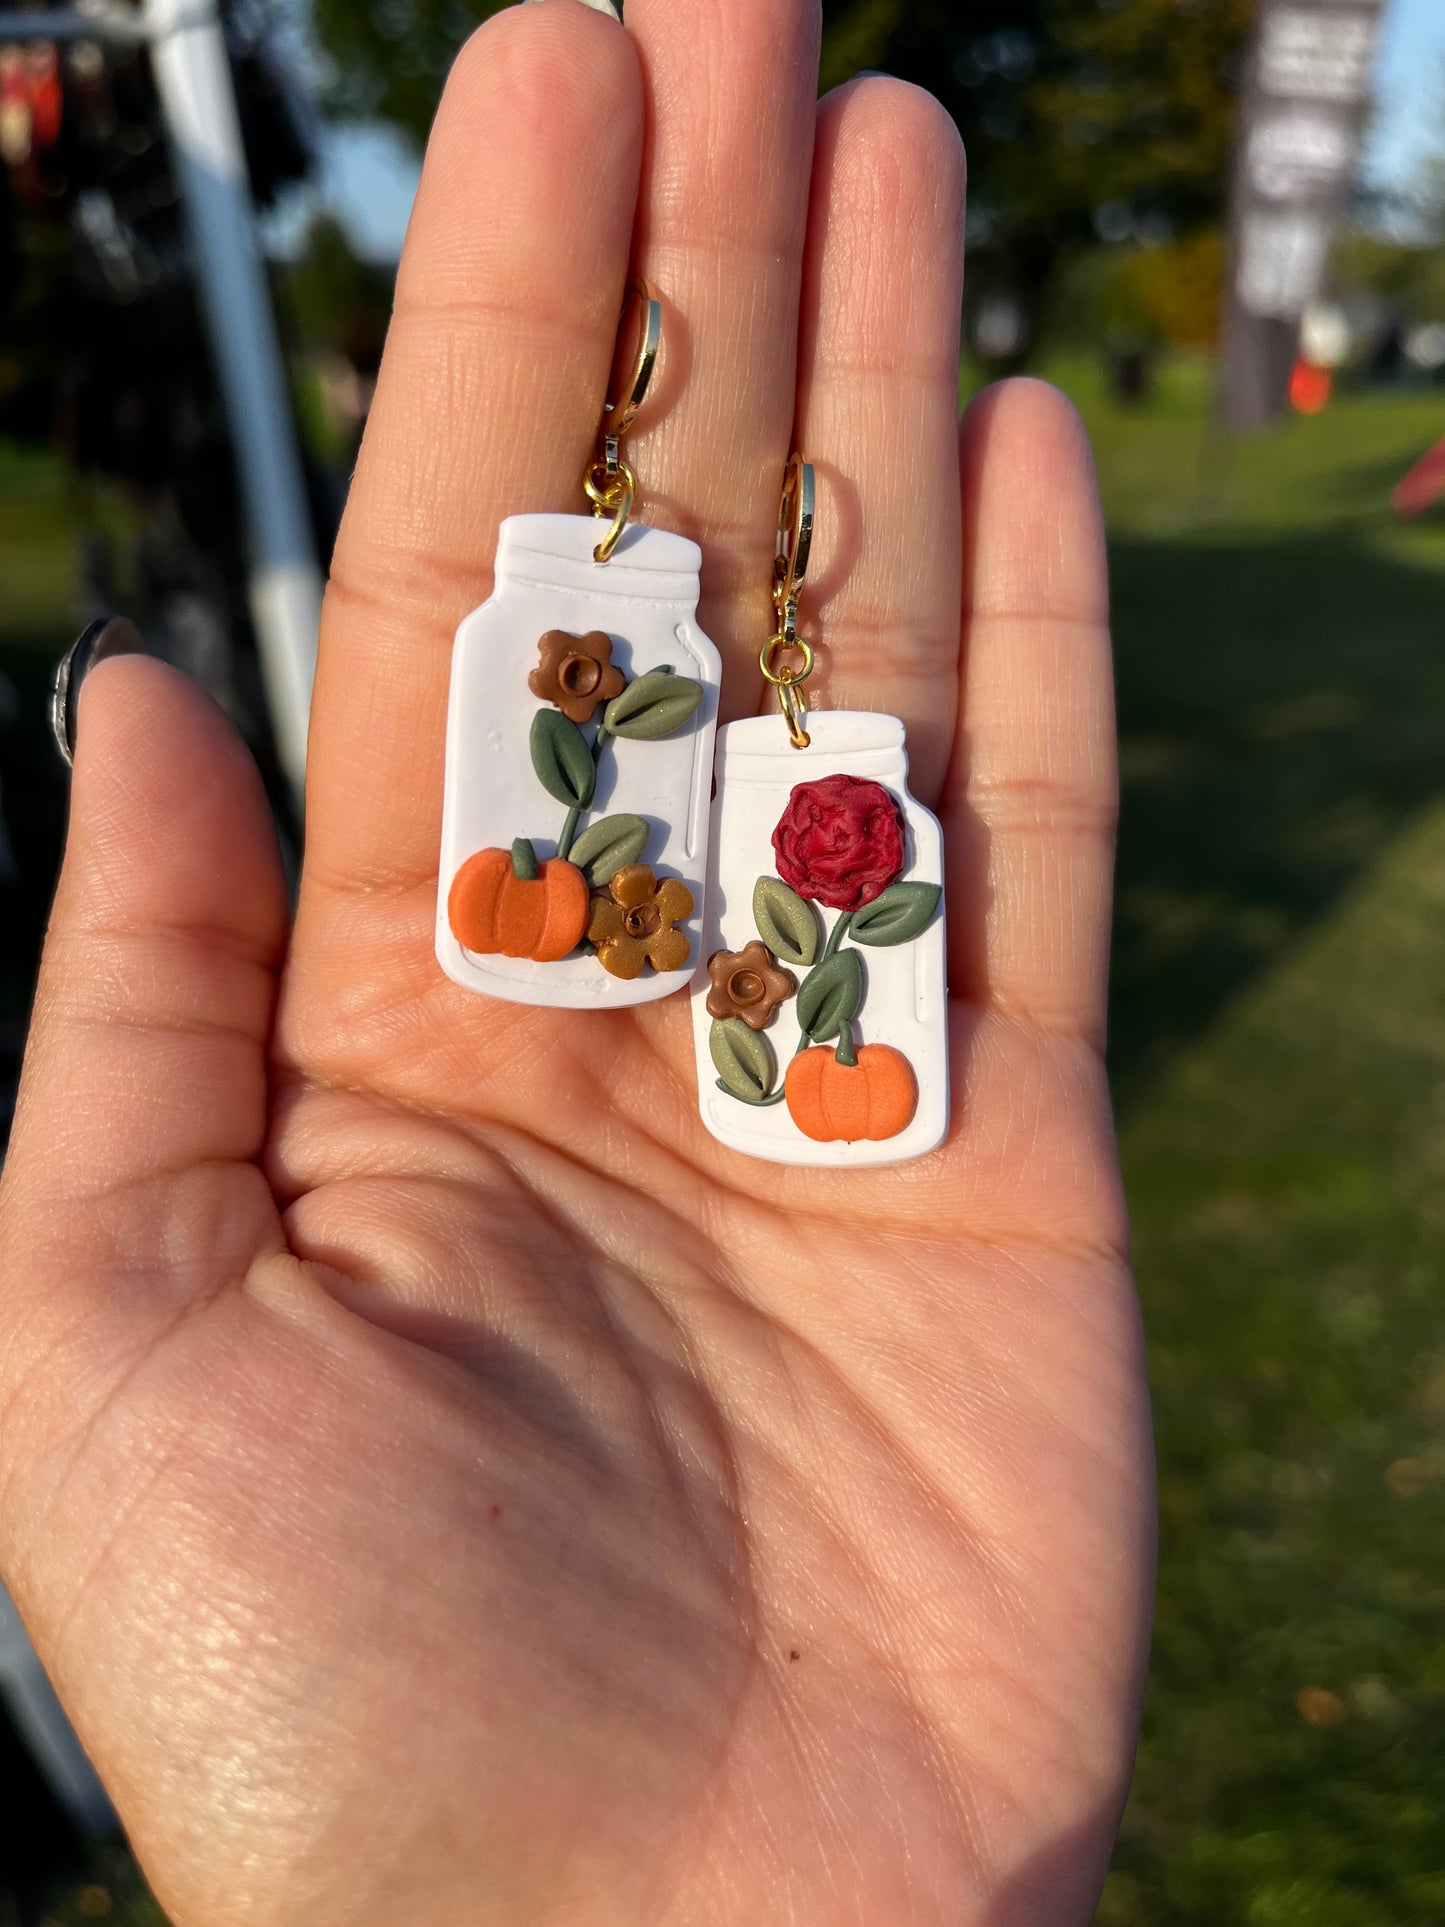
(1220, 226)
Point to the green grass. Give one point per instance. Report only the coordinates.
(1285, 1176)
(37, 549)
(1279, 1063)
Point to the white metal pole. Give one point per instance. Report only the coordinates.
(198, 106)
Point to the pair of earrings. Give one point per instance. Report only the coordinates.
(582, 721)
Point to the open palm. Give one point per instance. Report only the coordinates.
(445, 1485)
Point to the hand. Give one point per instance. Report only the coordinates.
(446, 1486)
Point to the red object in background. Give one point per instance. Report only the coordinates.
(1310, 387)
(1424, 484)
(43, 73)
(31, 105)
(14, 108)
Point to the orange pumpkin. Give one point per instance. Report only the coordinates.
(873, 1098)
(494, 906)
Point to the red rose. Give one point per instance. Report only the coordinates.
(840, 841)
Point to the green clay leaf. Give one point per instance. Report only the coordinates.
(786, 924)
(609, 845)
(897, 915)
(654, 705)
(744, 1060)
(829, 996)
(562, 759)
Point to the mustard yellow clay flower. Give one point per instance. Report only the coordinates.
(634, 923)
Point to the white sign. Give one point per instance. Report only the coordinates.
(1297, 152)
(1281, 259)
(1317, 54)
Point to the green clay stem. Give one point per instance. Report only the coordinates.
(836, 935)
(575, 814)
(847, 1051)
(835, 939)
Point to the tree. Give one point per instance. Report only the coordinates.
(1082, 117)
(390, 57)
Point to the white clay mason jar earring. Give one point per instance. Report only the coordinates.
(579, 750)
(820, 1021)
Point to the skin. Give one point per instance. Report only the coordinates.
(444, 1484)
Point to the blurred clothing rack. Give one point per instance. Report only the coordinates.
(191, 64)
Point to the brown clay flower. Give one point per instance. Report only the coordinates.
(633, 923)
(748, 983)
(576, 672)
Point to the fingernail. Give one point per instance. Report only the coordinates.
(106, 636)
(597, 6)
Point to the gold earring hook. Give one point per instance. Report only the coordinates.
(790, 566)
(617, 416)
(608, 481)
(794, 539)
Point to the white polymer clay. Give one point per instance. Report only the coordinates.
(645, 598)
(906, 1001)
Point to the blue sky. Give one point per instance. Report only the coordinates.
(369, 178)
(1409, 121)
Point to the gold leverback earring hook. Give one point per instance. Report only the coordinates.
(794, 539)
(608, 481)
(790, 566)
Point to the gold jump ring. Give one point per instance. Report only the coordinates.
(614, 496)
(794, 705)
(785, 677)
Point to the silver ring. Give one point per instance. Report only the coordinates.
(106, 636)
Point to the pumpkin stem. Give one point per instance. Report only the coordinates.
(847, 1052)
(524, 861)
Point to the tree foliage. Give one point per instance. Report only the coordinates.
(1410, 276)
(390, 57)
(1081, 117)
(1145, 297)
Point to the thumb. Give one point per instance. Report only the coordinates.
(143, 1097)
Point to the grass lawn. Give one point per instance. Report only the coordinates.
(1279, 1063)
